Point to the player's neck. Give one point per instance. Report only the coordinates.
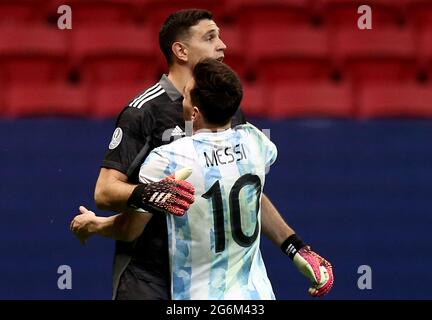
(179, 76)
(204, 126)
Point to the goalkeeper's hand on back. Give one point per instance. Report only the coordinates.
(317, 269)
(171, 195)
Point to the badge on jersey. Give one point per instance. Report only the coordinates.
(116, 138)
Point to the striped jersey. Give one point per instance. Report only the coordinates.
(214, 248)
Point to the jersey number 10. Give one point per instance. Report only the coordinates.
(215, 194)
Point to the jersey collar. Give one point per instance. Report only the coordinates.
(169, 88)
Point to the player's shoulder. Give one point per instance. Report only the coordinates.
(248, 128)
(143, 105)
(149, 97)
(250, 132)
(179, 146)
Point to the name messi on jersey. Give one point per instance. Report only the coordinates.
(225, 155)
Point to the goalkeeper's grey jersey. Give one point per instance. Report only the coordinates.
(214, 248)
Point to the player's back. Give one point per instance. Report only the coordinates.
(214, 248)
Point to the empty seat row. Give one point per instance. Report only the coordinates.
(93, 12)
(117, 70)
(295, 100)
(111, 54)
(260, 41)
(321, 99)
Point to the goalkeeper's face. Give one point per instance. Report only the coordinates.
(204, 42)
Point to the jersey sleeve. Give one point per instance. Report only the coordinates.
(156, 167)
(268, 148)
(133, 129)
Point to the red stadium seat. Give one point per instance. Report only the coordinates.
(380, 70)
(292, 70)
(114, 54)
(344, 13)
(36, 54)
(235, 52)
(156, 11)
(273, 42)
(259, 12)
(394, 3)
(43, 100)
(420, 13)
(108, 100)
(384, 42)
(424, 44)
(395, 100)
(255, 100)
(19, 12)
(241, 3)
(314, 99)
(288, 54)
(2, 97)
(377, 55)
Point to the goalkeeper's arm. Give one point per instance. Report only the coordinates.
(318, 270)
(124, 227)
(114, 193)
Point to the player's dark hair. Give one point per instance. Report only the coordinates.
(217, 91)
(176, 26)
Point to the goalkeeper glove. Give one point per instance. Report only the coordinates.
(317, 269)
(166, 196)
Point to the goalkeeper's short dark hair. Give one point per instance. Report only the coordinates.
(176, 27)
(217, 91)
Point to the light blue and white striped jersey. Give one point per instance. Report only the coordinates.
(214, 248)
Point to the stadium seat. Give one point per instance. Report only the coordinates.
(107, 100)
(292, 69)
(20, 12)
(274, 42)
(424, 44)
(380, 71)
(344, 13)
(395, 100)
(42, 100)
(256, 99)
(420, 13)
(279, 54)
(95, 12)
(2, 97)
(235, 52)
(156, 11)
(36, 54)
(384, 42)
(259, 12)
(291, 3)
(314, 99)
(394, 3)
(114, 54)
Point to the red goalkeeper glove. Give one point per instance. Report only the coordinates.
(317, 269)
(171, 195)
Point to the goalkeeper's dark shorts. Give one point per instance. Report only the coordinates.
(137, 284)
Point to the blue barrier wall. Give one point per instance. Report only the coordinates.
(358, 192)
